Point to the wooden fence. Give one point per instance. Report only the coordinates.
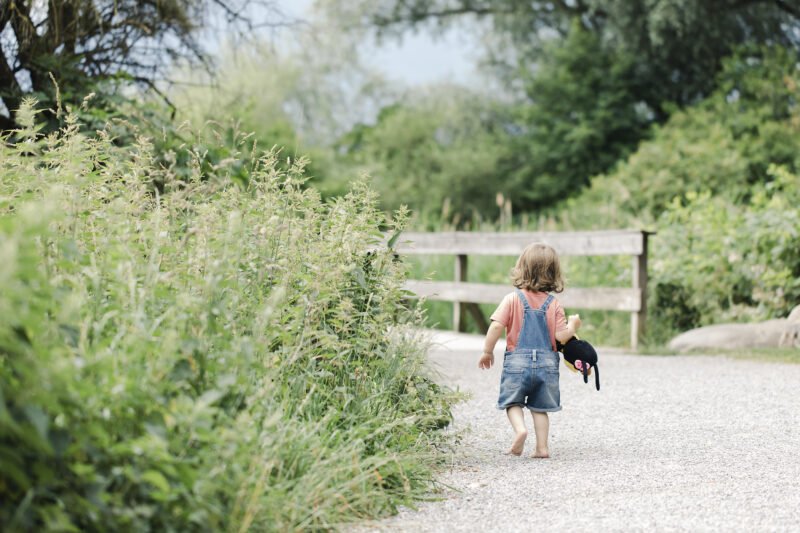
(466, 296)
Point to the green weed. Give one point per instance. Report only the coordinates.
(201, 355)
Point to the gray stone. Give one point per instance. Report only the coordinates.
(780, 332)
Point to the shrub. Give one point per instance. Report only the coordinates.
(718, 184)
(735, 261)
(219, 356)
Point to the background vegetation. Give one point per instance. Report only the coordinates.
(181, 361)
(206, 331)
(655, 116)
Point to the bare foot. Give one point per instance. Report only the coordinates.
(538, 454)
(519, 443)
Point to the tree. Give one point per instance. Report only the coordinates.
(437, 150)
(590, 76)
(300, 91)
(679, 45)
(724, 145)
(77, 44)
(580, 114)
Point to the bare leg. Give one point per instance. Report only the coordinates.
(517, 419)
(541, 426)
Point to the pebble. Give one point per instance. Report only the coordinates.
(670, 443)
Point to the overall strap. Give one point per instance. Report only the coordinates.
(546, 303)
(524, 300)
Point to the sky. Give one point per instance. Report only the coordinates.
(419, 59)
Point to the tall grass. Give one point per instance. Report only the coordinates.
(202, 355)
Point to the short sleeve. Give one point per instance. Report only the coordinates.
(561, 317)
(502, 314)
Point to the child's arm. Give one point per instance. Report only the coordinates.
(573, 325)
(496, 330)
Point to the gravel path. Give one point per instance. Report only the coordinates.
(670, 443)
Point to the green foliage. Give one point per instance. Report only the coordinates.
(673, 311)
(680, 45)
(718, 183)
(207, 354)
(582, 115)
(588, 79)
(677, 45)
(64, 50)
(437, 152)
(448, 152)
(299, 96)
(724, 145)
(734, 262)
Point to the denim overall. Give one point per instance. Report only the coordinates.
(530, 372)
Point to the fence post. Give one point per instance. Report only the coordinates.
(459, 308)
(639, 318)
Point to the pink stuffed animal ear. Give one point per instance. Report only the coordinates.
(576, 367)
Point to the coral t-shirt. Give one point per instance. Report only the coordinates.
(510, 313)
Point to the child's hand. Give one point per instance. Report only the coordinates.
(486, 361)
(574, 321)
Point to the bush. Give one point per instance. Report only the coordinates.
(673, 311)
(219, 356)
(718, 184)
(724, 145)
(737, 262)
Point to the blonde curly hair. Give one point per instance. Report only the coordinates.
(538, 269)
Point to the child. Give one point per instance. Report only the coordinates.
(534, 321)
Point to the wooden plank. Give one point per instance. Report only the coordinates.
(639, 318)
(617, 242)
(477, 315)
(459, 308)
(481, 293)
(612, 299)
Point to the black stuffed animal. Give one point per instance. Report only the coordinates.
(577, 350)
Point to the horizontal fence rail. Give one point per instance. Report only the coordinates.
(482, 293)
(621, 242)
(466, 296)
